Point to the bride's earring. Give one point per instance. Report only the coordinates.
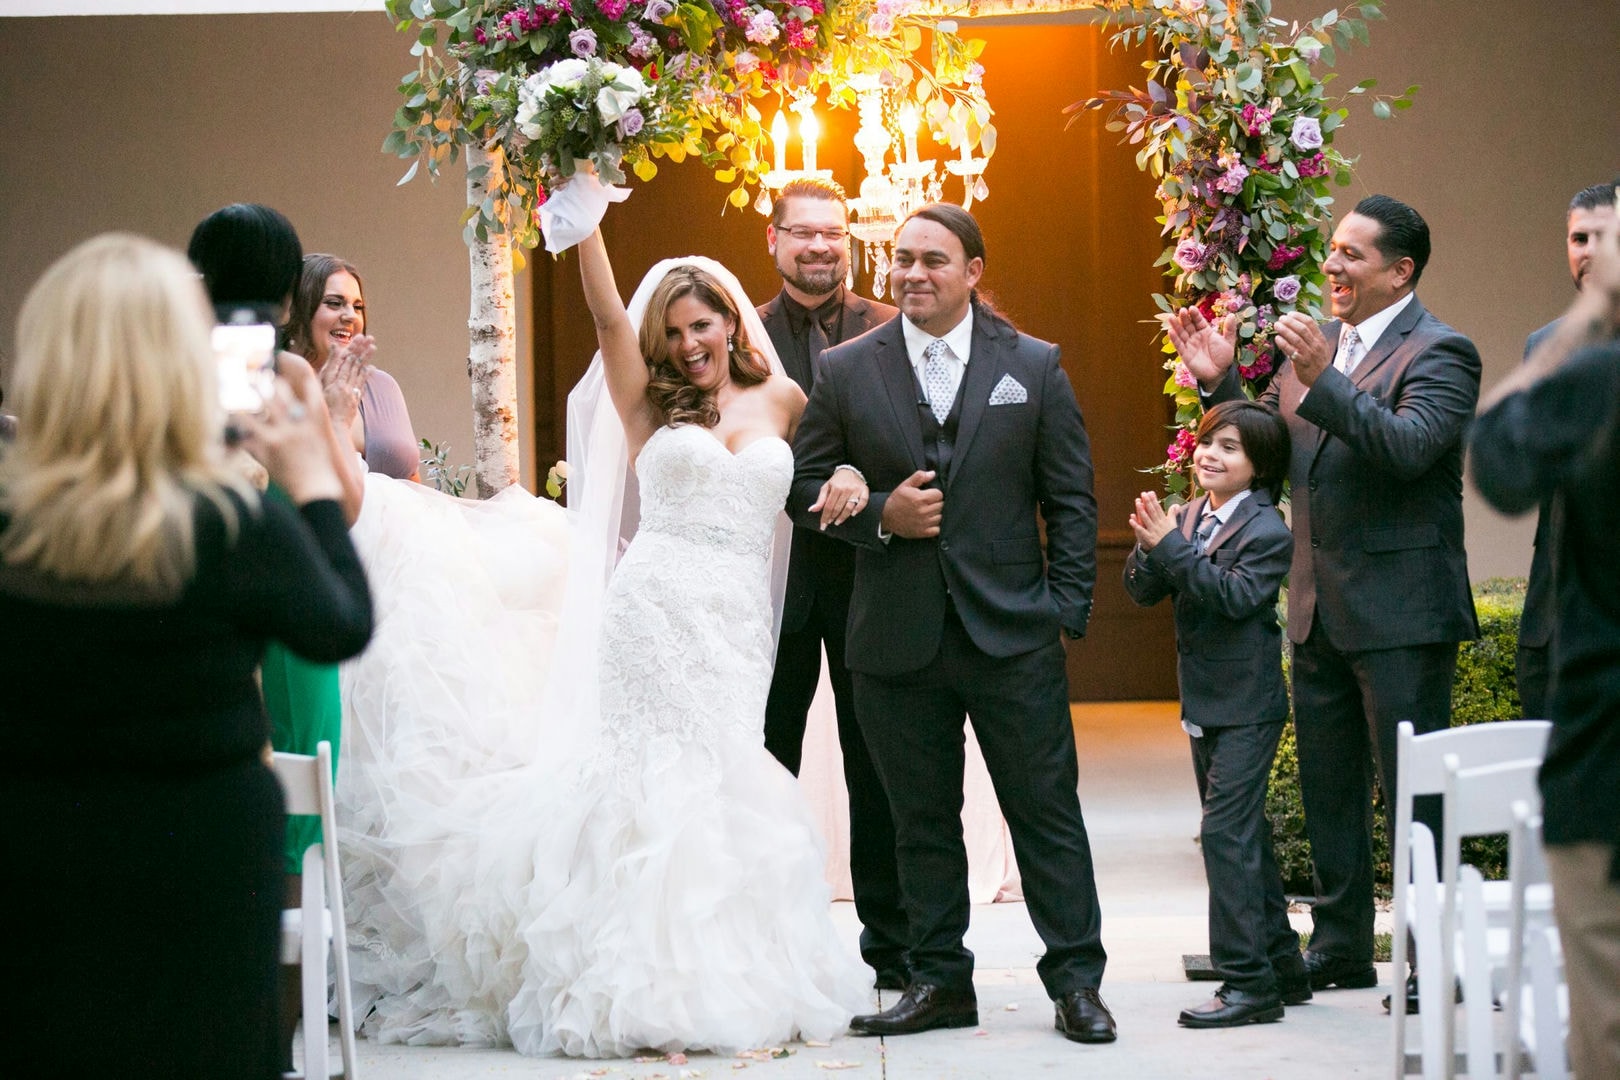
(731, 348)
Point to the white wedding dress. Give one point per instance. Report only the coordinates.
(694, 912)
(655, 882)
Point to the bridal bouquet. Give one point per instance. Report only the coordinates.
(545, 88)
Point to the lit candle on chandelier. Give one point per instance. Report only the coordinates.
(967, 153)
(908, 127)
(779, 138)
(809, 128)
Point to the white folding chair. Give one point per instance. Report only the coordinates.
(1479, 802)
(1539, 1029)
(1420, 769)
(1546, 1021)
(316, 927)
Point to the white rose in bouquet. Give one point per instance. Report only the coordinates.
(564, 75)
(622, 89)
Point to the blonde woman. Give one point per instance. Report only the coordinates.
(148, 579)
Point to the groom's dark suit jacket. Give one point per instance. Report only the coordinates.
(1008, 461)
(817, 561)
(1376, 492)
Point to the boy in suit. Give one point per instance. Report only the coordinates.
(1223, 558)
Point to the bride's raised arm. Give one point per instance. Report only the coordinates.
(624, 367)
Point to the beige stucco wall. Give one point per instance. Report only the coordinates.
(149, 123)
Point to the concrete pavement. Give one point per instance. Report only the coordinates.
(1136, 787)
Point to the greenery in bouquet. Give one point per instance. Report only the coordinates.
(1236, 125)
(542, 86)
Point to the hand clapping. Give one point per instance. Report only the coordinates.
(1152, 522)
(1205, 348)
(1302, 341)
(344, 376)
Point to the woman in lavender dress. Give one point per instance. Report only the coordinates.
(329, 311)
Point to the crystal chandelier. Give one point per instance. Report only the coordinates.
(890, 190)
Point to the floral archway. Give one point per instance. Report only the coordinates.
(1233, 121)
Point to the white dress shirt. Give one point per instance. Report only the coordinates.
(958, 343)
(1370, 329)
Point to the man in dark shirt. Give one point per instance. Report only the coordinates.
(808, 237)
(1590, 211)
(1551, 432)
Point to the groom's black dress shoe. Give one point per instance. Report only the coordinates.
(1231, 1007)
(1293, 981)
(1082, 1017)
(923, 1007)
(1327, 972)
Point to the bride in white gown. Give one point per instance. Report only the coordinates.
(650, 877)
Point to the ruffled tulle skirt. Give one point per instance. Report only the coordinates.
(500, 889)
(687, 910)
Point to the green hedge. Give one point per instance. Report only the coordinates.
(1485, 690)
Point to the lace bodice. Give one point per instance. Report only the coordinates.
(686, 643)
(695, 489)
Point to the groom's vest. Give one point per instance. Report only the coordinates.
(939, 439)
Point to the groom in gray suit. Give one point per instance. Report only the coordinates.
(970, 438)
(1376, 402)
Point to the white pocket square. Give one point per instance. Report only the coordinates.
(1009, 391)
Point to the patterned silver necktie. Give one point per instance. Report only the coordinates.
(937, 378)
(1206, 529)
(1349, 351)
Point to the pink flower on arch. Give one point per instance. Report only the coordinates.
(1231, 181)
(1190, 254)
(1180, 451)
(1255, 119)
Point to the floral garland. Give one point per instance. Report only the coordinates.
(1235, 125)
(543, 86)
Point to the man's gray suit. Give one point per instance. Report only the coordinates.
(1378, 592)
(968, 623)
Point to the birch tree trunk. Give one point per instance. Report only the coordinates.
(492, 359)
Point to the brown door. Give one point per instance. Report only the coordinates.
(1072, 241)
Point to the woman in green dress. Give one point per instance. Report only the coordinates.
(250, 257)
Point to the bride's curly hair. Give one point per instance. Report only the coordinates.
(669, 391)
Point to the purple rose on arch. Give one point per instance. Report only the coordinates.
(630, 124)
(1190, 255)
(1307, 133)
(582, 42)
(658, 10)
(1286, 289)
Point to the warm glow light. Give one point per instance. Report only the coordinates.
(809, 129)
(779, 139)
(908, 120)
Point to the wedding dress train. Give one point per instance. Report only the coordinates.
(661, 886)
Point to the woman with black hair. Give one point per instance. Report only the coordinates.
(250, 257)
